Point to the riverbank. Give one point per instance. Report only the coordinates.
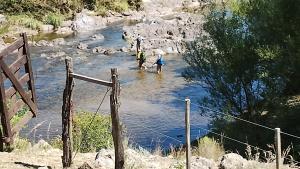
(165, 27)
(42, 156)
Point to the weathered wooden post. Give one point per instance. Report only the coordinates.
(1, 141)
(187, 132)
(278, 148)
(116, 127)
(67, 115)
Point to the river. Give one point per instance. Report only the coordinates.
(152, 106)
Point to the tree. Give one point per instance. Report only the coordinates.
(248, 60)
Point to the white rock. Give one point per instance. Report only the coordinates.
(171, 50)
(2, 19)
(85, 22)
(105, 159)
(233, 161)
(97, 37)
(64, 30)
(42, 145)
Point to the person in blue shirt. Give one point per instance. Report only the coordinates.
(159, 62)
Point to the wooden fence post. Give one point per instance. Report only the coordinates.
(1, 141)
(187, 132)
(278, 148)
(67, 116)
(116, 127)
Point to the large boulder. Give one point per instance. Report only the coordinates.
(85, 21)
(47, 28)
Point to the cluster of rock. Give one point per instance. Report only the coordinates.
(165, 28)
(52, 43)
(45, 156)
(144, 159)
(169, 35)
(88, 20)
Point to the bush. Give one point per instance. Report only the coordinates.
(209, 148)
(91, 133)
(135, 4)
(54, 19)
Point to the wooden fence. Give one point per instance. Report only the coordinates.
(67, 114)
(16, 89)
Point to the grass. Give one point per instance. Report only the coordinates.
(54, 19)
(91, 133)
(25, 20)
(4, 28)
(21, 144)
(56, 142)
(209, 148)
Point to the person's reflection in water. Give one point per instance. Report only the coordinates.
(159, 78)
(140, 75)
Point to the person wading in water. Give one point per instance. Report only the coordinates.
(142, 59)
(138, 43)
(159, 62)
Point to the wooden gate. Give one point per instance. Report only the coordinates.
(17, 91)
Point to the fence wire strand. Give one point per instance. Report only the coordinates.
(241, 119)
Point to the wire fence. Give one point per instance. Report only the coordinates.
(200, 130)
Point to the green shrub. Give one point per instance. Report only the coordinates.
(120, 6)
(54, 19)
(25, 20)
(91, 133)
(19, 115)
(209, 148)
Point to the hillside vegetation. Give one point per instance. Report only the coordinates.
(33, 13)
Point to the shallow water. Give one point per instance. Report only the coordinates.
(152, 106)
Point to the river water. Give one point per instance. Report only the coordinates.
(152, 106)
